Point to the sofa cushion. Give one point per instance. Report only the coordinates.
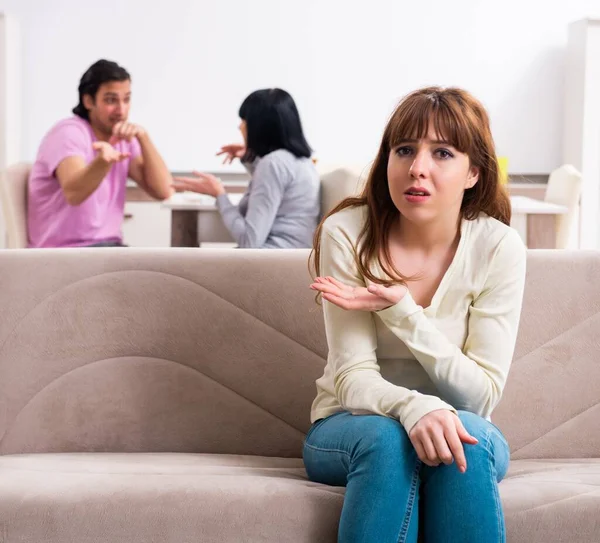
(171, 498)
(180, 498)
(552, 500)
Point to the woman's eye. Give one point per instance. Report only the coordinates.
(403, 151)
(443, 153)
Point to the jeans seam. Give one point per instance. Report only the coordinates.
(410, 504)
(489, 449)
(327, 450)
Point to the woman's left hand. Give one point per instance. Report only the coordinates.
(371, 298)
(202, 183)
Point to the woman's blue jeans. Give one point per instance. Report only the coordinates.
(391, 496)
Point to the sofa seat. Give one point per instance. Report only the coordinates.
(162, 497)
(552, 501)
(180, 498)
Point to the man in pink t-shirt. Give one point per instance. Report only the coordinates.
(76, 190)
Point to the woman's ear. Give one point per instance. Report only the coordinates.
(472, 178)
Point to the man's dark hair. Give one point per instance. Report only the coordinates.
(102, 71)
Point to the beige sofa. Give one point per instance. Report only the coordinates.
(163, 396)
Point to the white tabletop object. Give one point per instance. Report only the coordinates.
(199, 202)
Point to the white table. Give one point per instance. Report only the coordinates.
(535, 220)
(195, 219)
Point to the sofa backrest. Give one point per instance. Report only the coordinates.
(200, 350)
(551, 403)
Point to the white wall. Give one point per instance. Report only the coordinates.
(345, 62)
(582, 122)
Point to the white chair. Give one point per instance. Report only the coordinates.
(13, 194)
(564, 188)
(339, 182)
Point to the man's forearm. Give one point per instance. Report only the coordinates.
(157, 177)
(83, 183)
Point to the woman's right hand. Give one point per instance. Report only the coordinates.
(438, 437)
(232, 151)
(372, 298)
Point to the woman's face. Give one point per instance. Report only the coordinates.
(427, 178)
(244, 131)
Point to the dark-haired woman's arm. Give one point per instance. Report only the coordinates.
(266, 191)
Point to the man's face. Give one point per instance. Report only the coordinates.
(110, 106)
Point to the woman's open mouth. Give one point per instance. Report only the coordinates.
(416, 195)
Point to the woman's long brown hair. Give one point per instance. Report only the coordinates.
(457, 118)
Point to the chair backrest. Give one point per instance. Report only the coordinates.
(339, 182)
(564, 188)
(13, 194)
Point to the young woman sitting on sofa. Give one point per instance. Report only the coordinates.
(423, 283)
(281, 207)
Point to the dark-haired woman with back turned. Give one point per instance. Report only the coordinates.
(281, 206)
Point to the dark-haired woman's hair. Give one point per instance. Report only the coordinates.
(457, 118)
(102, 71)
(272, 123)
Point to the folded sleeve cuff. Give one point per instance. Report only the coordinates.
(411, 416)
(397, 312)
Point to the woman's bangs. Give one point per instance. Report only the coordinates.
(412, 122)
